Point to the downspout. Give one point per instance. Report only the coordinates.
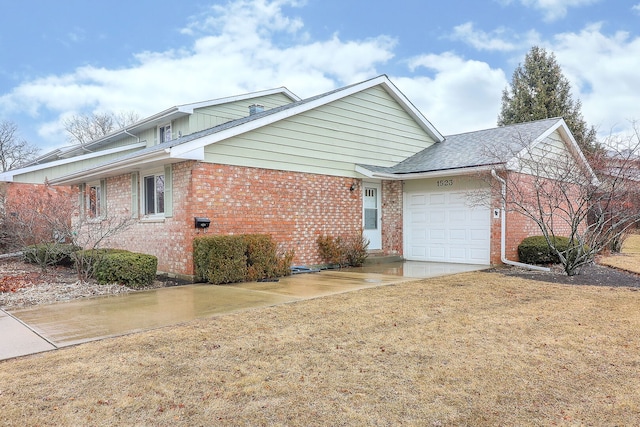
(503, 230)
(130, 134)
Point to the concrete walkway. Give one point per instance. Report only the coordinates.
(47, 327)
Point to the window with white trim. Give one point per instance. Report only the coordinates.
(153, 193)
(164, 133)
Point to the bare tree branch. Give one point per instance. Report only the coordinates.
(14, 151)
(84, 128)
(554, 190)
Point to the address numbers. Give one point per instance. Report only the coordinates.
(444, 183)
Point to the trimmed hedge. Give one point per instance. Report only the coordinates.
(50, 254)
(230, 259)
(133, 270)
(535, 250)
(86, 259)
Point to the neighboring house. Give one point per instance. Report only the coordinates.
(360, 158)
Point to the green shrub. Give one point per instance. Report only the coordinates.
(220, 259)
(46, 254)
(133, 270)
(230, 259)
(536, 250)
(349, 251)
(86, 260)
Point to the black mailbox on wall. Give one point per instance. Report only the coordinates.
(202, 222)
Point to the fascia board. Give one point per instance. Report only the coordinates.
(567, 138)
(55, 163)
(424, 175)
(197, 154)
(411, 109)
(189, 108)
(133, 163)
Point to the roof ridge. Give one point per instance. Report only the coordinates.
(511, 125)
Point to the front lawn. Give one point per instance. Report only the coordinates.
(471, 349)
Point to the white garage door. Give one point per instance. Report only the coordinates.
(441, 227)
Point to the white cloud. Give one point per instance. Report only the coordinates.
(604, 71)
(500, 39)
(552, 9)
(463, 95)
(636, 8)
(235, 50)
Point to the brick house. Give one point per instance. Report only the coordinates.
(357, 159)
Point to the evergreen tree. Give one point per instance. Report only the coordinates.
(538, 91)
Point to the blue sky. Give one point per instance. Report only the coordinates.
(452, 58)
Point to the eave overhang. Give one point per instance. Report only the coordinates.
(427, 174)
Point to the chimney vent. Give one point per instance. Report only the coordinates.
(255, 109)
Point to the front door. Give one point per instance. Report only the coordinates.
(371, 215)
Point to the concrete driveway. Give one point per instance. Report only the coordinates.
(47, 327)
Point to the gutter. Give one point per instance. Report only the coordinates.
(503, 230)
(421, 175)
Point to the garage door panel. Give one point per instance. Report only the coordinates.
(418, 252)
(441, 227)
(457, 199)
(458, 215)
(437, 217)
(418, 199)
(458, 254)
(437, 234)
(437, 199)
(437, 253)
(459, 235)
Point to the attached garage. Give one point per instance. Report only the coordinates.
(441, 225)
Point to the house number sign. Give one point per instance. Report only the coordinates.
(444, 183)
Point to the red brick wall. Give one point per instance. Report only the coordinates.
(295, 208)
(518, 225)
(169, 238)
(392, 220)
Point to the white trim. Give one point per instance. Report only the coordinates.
(189, 108)
(422, 175)
(570, 143)
(126, 166)
(374, 235)
(159, 132)
(8, 176)
(151, 172)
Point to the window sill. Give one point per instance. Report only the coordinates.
(152, 219)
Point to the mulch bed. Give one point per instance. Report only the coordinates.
(590, 275)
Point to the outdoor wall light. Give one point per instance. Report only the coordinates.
(354, 185)
(202, 222)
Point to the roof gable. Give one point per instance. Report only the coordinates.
(500, 146)
(191, 147)
(152, 122)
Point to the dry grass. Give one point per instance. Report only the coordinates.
(471, 349)
(629, 260)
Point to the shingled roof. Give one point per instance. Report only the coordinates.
(472, 149)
